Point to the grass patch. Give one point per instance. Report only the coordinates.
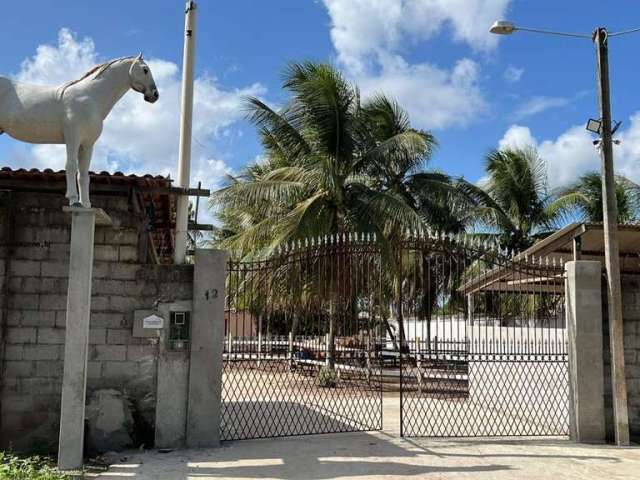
(28, 468)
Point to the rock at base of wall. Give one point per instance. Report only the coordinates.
(109, 421)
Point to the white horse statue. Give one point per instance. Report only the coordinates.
(73, 113)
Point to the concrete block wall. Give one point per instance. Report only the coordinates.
(631, 317)
(33, 272)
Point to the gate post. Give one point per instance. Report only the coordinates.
(586, 378)
(207, 339)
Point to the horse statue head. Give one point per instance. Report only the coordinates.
(142, 80)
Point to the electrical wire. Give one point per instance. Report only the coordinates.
(624, 32)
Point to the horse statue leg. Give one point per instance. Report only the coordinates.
(84, 160)
(72, 169)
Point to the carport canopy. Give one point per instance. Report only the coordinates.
(577, 241)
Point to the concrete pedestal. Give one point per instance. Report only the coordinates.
(586, 370)
(74, 382)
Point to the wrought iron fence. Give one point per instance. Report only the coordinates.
(299, 354)
(473, 338)
(485, 351)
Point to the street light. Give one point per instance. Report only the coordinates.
(600, 37)
(594, 126)
(502, 27)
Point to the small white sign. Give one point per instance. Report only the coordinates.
(152, 321)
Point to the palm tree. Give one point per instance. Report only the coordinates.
(514, 203)
(441, 202)
(325, 152)
(241, 228)
(515, 209)
(435, 196)
(583, 199)
(319, 150)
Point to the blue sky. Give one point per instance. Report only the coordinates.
(475, 91)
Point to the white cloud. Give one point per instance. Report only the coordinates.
(572, 153)
(370, 37)
(517, 137)
(539, 104)
(363, 28)
(567, 156)
(627, 154)
(53, 65)
(513, 74)
(139, 137)
(434, 97)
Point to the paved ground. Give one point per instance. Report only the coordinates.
(372, 456)
(383, 455)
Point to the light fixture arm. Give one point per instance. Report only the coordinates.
(624, 32)
(616, 127)
(503, 27)
(551, 32)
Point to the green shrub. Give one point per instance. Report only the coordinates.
(28, 468)
(327, 378)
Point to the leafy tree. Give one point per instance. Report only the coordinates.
(333, 164)
(582, 200)
(513, 206)
(319, 152)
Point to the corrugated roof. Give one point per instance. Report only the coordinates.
(48, 175)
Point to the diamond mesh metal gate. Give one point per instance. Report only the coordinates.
(475, 340)
(485, 350)
(300, 336)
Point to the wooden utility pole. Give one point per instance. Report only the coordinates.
(611, 253)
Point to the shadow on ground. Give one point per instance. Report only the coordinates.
(264, 419)
(466, 444)
(362, 455)
(313, 458)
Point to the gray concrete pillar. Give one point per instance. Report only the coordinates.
(207, 338)
(173, 384)
(586, 372)
(74, 380)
